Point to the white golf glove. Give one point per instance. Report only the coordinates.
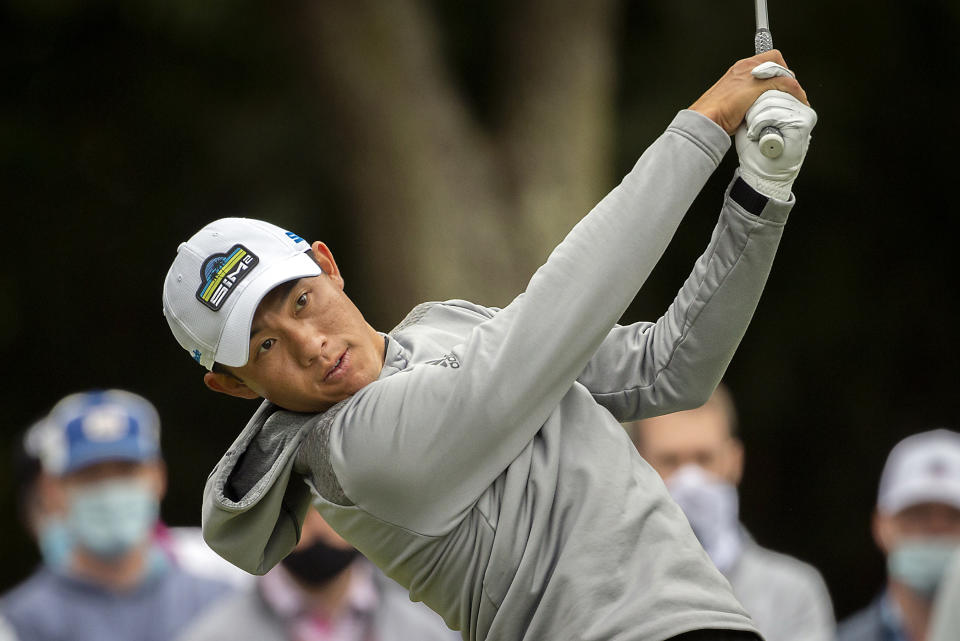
(774, 176)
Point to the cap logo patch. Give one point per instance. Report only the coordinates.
(105, 423)
(221, 273)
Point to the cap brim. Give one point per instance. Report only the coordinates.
(93, 453)
(941, 491)
(233, 348)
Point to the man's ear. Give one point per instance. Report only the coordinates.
(883, 531)
(736, 460)
(324, 258)
(158, 476)
(229, 385)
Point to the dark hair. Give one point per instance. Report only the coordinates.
(220, 368)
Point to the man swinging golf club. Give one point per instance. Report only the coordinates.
(475, 454)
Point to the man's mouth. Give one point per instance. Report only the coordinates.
(338, 367)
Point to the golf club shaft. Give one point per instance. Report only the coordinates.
(771, 140)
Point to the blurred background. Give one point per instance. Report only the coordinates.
(441, 150)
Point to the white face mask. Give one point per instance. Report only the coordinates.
(712, 507)
(921, 563)
(109, 518)
(56, 543)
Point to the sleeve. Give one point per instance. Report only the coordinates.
(648, 369)
(254, 500)
(420, 446)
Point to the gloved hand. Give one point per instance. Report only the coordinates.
(774, 176)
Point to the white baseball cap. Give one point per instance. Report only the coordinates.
(923, 468)
(220, 276)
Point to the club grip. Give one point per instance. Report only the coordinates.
(762, 41)
(771, 140)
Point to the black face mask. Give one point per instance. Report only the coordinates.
(317, 563)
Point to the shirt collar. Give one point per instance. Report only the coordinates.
(395, 357)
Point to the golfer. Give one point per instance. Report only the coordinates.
(476, 454)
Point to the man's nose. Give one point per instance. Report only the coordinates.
(308, 344)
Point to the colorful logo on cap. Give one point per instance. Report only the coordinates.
(221, 273)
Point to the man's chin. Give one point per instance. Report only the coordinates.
(307, 403)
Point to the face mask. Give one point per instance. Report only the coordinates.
(921, 563)
(318, 563)
(712, 506)
(110, 518)
(55, 544)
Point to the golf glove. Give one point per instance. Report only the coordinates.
(774, 176)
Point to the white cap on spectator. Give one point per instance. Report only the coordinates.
(923, 468)
(220, 276)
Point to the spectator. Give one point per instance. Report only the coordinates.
(917, 527)
(99, 488)
(322, 591)
(43, 520)
(698, 454)
(184, 545)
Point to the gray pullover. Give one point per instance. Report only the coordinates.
(486, 470)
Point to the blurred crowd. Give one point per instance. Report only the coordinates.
(90, 478)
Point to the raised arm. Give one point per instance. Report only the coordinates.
(461, 427)
(648, 369)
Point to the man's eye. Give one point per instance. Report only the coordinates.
(302, 301)
(266, 345)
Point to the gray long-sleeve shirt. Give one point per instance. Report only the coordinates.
(486, 469)
(786, 597)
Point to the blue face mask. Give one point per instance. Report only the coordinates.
(109, 518)
(921, 563)
(55, 543)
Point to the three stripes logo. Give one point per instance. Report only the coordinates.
(221, 273)
(449, 360)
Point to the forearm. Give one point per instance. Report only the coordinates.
(537, 346)
(675, 363)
